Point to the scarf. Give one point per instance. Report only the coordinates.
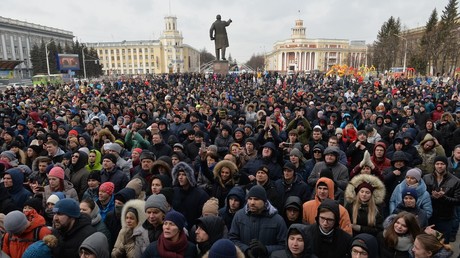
(169, 249)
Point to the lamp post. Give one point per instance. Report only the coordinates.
(47, 52)
(405, 52)
(83, 57)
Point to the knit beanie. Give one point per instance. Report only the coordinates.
(415, 172)
(57, 172)
(223, 248)
(296, 152)
(136, 185)
(95, 175)
(138, 150)
(258, 192)
(53, 199)
(366, 185)
(42, 248)
(107, 187)
(410, 191)
(211, 206)
(15, 222)
(177, 218)
(8, 154)
(157, 201)
(113, 147)
(111, 157)
(69, 207)
(441, 158)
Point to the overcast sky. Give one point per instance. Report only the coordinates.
(257, 24)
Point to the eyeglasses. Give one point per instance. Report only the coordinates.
(75, 156)
(327, 220)
(355, 253)
(317, 151)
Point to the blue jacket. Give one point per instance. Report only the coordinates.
(18, 193)
(269, 228)
(423, 199)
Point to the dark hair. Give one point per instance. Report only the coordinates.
(90, 202)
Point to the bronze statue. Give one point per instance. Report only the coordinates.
(219, 34)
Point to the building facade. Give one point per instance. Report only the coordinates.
(17, 39)
(300, 54)
(166, 55)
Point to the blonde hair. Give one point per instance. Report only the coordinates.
(372, 211)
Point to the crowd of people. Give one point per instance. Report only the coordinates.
(249, 165)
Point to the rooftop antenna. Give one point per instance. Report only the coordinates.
(298, 11)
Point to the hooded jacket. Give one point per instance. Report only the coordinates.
(98, 244)
(268, 227)
(307, 249)
(98, 224)
(310, 208)
(17, 191)
(390, 179)
(334, 245)
(188, 201)
(290, 202)
(384, 162)
(214, 226)
(78, 174)
(224, 212)
(131, 243)
(423, 197)
(427, 165)
(15, 245)
(97, 166)
(339, 171)
(276, 171)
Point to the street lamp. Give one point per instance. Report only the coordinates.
(405, 52)
(47, 52)
(84, 65)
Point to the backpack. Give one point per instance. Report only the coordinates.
(35, 239)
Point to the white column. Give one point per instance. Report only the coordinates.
(12, 47)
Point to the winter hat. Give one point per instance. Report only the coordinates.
(177, 218)
(8, 154)
(211, 206)
(95, 176)
(69, 207)
(366, 161)
(73, 132)
(441, 158)
(54, 198)
(125, 194)
(110, 157)
(138, 150)
(57, 172)
(366, 185)
(367, 242)
(15, 222)
(35, 203)
(107, 187)
(41, 248)
(410, 191)
(136, 185)
(264, 169)
(415, 172)
(338, 130)
(296, 152)
(147, 155)
(288, 165)
(258, 192)
(157, 201)
(113, 147)
(222, 248)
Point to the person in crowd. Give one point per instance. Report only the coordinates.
(398, 236)
(394, 175)
(92, 191)
(95, 246)
(94, 161)
(224, 248)
(409, 204)
(173, 241)
(379, 157)
(291, 184)
(132, 239)
(70, 227)
(269, 158)
(266, 232)
(22, 229)
(292, 211)
(298, 243)
(331, 160)
(112, 173)
(328, 239)
(363, 196)
(428, 149)
(366, 166)
(413, 180)
(444, 190)
(188, 199)
(13, 180)
(77, 173)
(89, 207)
(428, 246)
(209, 229)
(364, 245)
(263, 179)
(42, 248)
(156, 208)
(234, 201)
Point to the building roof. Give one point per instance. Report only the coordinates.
(9, 65)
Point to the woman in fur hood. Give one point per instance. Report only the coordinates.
(133, 239)
(363, 196)
(222, 180)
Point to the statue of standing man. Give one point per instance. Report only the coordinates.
(218, 33)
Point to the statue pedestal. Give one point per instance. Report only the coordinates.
(220, 67)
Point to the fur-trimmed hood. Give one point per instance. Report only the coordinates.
(182, 166)
(160, 163)
(224, 163)
(107, 133)
(379, 188)
(139, 205)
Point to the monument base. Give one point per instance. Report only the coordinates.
(220, 67)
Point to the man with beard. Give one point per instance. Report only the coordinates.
(70, 227)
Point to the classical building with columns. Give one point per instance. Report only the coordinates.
(168, 54)
(300, 54)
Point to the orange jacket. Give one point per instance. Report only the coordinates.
(16, 246)
(310, 208)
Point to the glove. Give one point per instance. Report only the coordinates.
(257, 249)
